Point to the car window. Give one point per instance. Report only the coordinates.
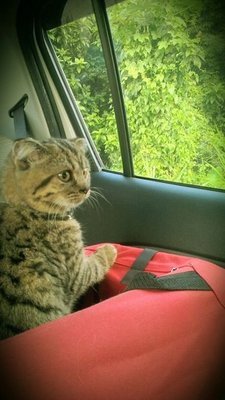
(171, 69)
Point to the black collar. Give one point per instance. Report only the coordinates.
(52, 217)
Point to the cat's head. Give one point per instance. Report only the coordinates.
(51, 176)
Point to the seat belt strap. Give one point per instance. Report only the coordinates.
(189, 280)
(139, 265)
(137, 278)
(18, 114)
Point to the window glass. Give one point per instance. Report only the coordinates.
(78, 48)
(172, 68)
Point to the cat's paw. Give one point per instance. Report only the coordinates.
(109, 252)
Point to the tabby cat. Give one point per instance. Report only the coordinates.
(43, 269)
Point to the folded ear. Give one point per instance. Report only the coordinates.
(80, 144)
(27, 151)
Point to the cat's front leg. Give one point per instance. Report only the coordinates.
(105, 255)
(97, 264)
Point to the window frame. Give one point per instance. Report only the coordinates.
(39, 46)
(28, 43)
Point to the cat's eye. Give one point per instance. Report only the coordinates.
(65, 176)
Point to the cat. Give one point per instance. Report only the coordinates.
(43, 268)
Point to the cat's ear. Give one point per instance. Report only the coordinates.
(27, 151)
(80, 144)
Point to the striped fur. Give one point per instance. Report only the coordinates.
(43, 269)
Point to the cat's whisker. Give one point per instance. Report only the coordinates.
(93, 205)
(54, 210)
(51, 213)
(95, 191)
(94, 198)
(93, 202)
(59, 209)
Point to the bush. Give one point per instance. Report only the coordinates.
(171, 61)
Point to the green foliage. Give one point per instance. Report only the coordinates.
(79, 51)
(172, 67)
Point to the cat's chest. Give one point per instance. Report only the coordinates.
(57, 233)
(37, 233)
(63, 245)
(50, 241)
(63, 234)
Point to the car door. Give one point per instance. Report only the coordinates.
(144, 84)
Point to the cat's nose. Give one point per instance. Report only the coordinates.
(84, 190)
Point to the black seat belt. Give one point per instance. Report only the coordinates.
(18, 114)
(138, 265)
